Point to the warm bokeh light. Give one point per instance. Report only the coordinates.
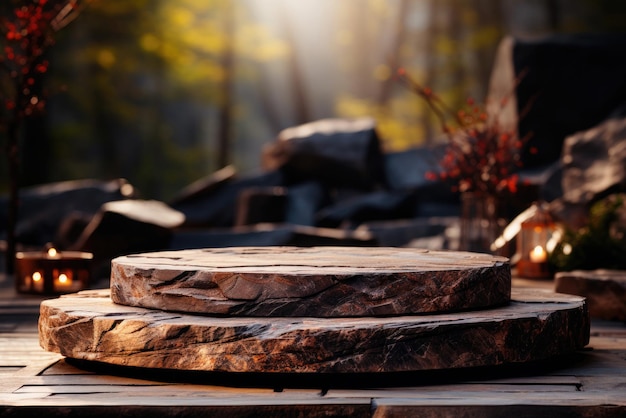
(538, 254)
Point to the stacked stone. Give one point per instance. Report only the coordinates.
(301, 310)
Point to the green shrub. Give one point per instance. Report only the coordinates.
(601, 244)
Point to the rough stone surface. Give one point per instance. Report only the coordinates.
(270, 235)
(44, 208)
(127, 226)
(534, 326)
(594, 162)
(605, 291)
(314, 281)
(338, 152)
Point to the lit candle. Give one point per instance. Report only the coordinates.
(35, 281)
(52, 271)
(538, 255)
(63, 280)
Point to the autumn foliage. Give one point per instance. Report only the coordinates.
(480, 155)
(27, 29)
(26, 33)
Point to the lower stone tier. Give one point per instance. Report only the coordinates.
(535, 325)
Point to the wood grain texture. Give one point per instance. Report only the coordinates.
(311, 281)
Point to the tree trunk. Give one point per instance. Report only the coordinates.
(226, 100)
(399, 35)
(296, 80)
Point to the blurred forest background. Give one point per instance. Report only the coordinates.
(163, 92)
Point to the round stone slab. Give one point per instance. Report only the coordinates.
(534, 326)
(311, 281)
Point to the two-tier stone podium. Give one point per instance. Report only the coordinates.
(321, 310)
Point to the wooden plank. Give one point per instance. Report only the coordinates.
(498, 410)
(555, 394)
(23, 356)
(467, 398)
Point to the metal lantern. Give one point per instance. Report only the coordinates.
(535, 242)
(51, 271)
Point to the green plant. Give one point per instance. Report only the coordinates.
(601, 244)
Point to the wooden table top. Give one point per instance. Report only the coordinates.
(591, 383)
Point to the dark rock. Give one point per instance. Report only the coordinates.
(71, 229)
(43, 208)
(407, 169)
(400, 233)
(261, 205)
(303, 201)
(594, 164)
(570, 84)
(547, 180)
(368, 207)
(268, 235)
(204, 186)
(337, 152)
(604, 290)
(215, 206)
(128, 226)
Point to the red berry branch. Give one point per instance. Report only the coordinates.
(26, 33)
(480, 155)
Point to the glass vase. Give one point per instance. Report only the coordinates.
(481, 222)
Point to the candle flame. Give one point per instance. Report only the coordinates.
(36, 276)
(538, 254)
(52, 252)
(63, 278)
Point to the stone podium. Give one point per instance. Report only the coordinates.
(325, 310)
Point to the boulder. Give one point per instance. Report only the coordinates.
(569, 83)
(338, 152)
(261, 205)
(303, 202)
(594, 162)
(604, 290)
(405, 170)
(204, 186)
(214, 207)
(44, 208)
(593, 167)
(367, 207)
(269, 235)
(129, 226)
